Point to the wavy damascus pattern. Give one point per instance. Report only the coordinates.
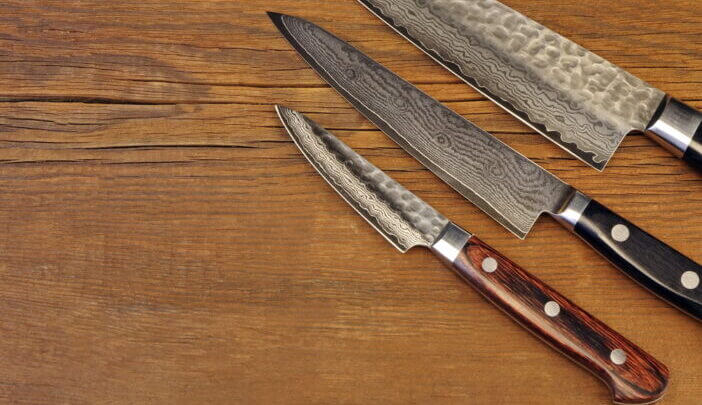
(402, 217)
(506, 185)
(580, 101)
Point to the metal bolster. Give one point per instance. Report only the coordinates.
(571, 212)
(675, 127)
(450, 242)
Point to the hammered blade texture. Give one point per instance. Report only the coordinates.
(402, 217)
(506, 185)
(577, 99)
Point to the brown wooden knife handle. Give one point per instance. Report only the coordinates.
(633, 376)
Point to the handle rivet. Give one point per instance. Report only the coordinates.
(552, 309)
(620, 233)
(618, 357)
(489, 265)
(690, 280)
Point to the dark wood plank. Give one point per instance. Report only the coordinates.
(164, 241)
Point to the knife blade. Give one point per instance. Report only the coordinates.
(503, 183)
(573, 97)
(406, 221)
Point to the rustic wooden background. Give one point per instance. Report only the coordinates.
(163, 241)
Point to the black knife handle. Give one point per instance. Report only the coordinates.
(633, 376)
(653, 264)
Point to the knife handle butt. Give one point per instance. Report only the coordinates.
(650, 262)
(633, 376)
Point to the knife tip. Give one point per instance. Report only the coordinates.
(286, 114)
(281, 109)
(275, 17)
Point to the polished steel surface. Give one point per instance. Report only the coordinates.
(503, 183)
(620, 233)
(618, 356)
(577, 99)
(675, 127)
(690, 280)
(552, 309)
(489, 265)
(400, 216)
(450, 243)
(570, 214)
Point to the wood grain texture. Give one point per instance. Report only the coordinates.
(165, 242)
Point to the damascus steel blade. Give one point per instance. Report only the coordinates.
(399, 215)
(506, 185)
(572, 96)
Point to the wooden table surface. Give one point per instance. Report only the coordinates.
(163, 241)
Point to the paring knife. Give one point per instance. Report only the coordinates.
(633, 376)
(572, 96)
(503, 183)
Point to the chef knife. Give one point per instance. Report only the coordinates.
(506, 185)
(633, 376)
(572, 96)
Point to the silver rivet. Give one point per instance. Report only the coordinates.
(489, 265)
(618, 357)
(620, 233)
(690, 280)
(552, 308)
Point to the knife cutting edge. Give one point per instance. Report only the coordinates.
(506, 185)
(633, 376)
(575, 98)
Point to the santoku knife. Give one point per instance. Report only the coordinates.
(577, 99)
(633, 376)
(506, 185)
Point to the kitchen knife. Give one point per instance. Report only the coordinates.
(506, 185)
(633, 376)
(575, 98)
